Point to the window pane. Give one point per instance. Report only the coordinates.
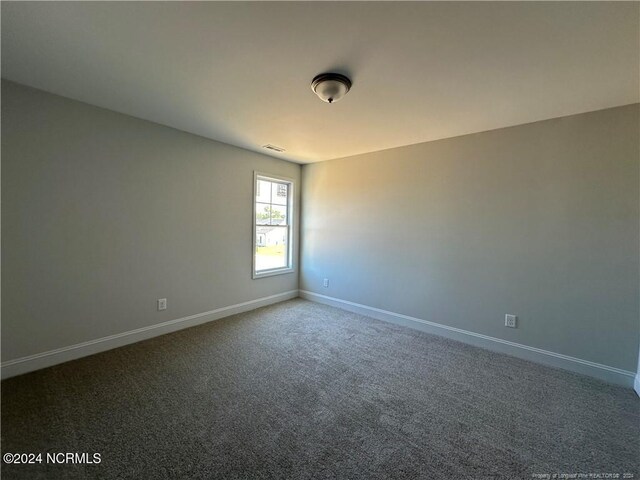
(263, 214)
(279, 193)
(278, 214)
(271, 248)
(263, 191)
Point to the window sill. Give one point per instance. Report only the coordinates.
(271, 273)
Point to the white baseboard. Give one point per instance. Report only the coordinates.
(37, 361)
(603, 372)
(30, 363)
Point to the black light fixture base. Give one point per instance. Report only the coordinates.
(330, 76)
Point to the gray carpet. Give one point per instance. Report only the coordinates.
(301, 390)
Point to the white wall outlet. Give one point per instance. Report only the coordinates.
(510, 321)
(325, 284)
(162, 304)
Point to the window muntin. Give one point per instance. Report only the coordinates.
(272, 229)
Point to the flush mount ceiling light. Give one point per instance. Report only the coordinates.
(330, 87)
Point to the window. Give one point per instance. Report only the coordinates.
(272, 225)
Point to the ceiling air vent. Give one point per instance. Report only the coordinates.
(273, 147)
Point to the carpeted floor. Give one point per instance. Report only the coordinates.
(300, 390)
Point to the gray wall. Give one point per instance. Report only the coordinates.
(102, 214)
(539, 220)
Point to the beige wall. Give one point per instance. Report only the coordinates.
(539, 220)
(102, 214)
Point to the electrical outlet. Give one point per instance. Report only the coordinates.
(325, 284)
(510, 321)
(162, 304)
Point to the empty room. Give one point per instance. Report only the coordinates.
(320, 240)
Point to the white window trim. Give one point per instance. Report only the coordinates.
(273, 271)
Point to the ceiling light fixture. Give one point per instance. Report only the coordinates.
(330, 87)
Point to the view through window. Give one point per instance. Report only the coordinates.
(272, 240)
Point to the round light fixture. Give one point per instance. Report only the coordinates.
(330, 87)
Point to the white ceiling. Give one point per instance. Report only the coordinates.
(241, 72)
